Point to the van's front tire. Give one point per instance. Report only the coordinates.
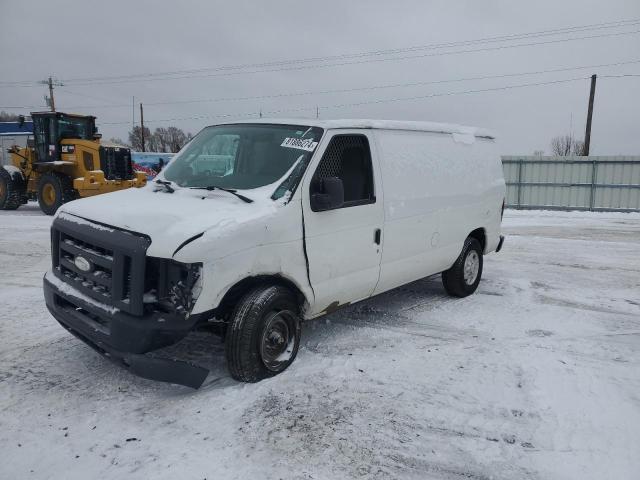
(463, 277)
(263, 335)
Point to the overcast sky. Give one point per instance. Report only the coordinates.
(72, 40)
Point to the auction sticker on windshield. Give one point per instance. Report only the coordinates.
(307, 144)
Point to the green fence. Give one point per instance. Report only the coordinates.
(596, 183)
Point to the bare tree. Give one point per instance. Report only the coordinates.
(166, 140)
(135, 138)
(577, 148)
(160, 141)
(176, 139)
(565, 145)
(118, 141)
(8, 117)
(561, 145)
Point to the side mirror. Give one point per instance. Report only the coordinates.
(330, 196)
(97, 136)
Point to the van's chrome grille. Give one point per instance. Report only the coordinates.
(104, 264)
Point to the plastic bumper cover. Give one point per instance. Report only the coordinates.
(124, 339)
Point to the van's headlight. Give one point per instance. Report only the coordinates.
(171, 286)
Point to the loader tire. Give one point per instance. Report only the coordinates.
(463, 277)
(54, 189)
(263, 335)
(12, 190)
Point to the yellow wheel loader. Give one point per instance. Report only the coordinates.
(64, 161)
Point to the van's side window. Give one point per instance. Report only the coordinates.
(348, 157)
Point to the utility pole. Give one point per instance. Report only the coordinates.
(587, 134)
(133, 112)
(50, 100)
(142, 126)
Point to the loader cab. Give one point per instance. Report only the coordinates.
(49, 128)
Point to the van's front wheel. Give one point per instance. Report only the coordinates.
(463, 277)
(263, 335)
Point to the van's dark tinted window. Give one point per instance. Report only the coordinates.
(348, 157)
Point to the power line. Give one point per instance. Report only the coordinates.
(374, 87)
(237, 69)
(366, 102)
(93, 97)
(356, 89)
(621, 75)
(397, 85)
(360, 62)
(501, 38)
(616, 24)
(23, 107)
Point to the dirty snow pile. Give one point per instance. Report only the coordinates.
(536, 376)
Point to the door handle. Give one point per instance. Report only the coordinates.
(377, 235)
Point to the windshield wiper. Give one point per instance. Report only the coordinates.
(230, 190)
(166, 185)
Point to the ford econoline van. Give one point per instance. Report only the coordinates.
(256, 226)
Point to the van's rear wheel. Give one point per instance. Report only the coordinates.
(54, 189)
(263, 335)
(463, 277)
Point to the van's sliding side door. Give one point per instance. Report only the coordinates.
(344, 244)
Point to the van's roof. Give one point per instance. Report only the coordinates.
(377, 124)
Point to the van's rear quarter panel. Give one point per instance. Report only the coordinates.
(436, 191)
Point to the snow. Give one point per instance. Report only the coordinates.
(161, 215)
(69, 290)
(466, 139)
(435, 127)
(81, 221)
(60, 162)
(11, 169)
(536, 376)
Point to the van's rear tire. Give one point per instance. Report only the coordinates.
(263, 334)
(463, 277)
(54, 189)
(12, 190)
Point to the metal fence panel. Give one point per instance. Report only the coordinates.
(573, 183)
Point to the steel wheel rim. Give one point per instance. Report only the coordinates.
(471, 267)
(278, 340)
(49, 194)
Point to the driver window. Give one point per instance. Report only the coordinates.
(348, 157)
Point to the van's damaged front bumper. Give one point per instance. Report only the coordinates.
(123, 338)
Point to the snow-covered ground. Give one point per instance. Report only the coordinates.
(536, 376)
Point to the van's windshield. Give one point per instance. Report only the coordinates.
(244, 156)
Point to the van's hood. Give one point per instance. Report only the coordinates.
(169, 219)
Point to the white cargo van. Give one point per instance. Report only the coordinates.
(254, 227)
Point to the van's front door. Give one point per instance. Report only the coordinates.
(343, 244)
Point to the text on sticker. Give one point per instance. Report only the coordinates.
(307, 144)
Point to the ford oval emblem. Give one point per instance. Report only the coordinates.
(82, 264)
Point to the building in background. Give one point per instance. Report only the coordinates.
(12, 133)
